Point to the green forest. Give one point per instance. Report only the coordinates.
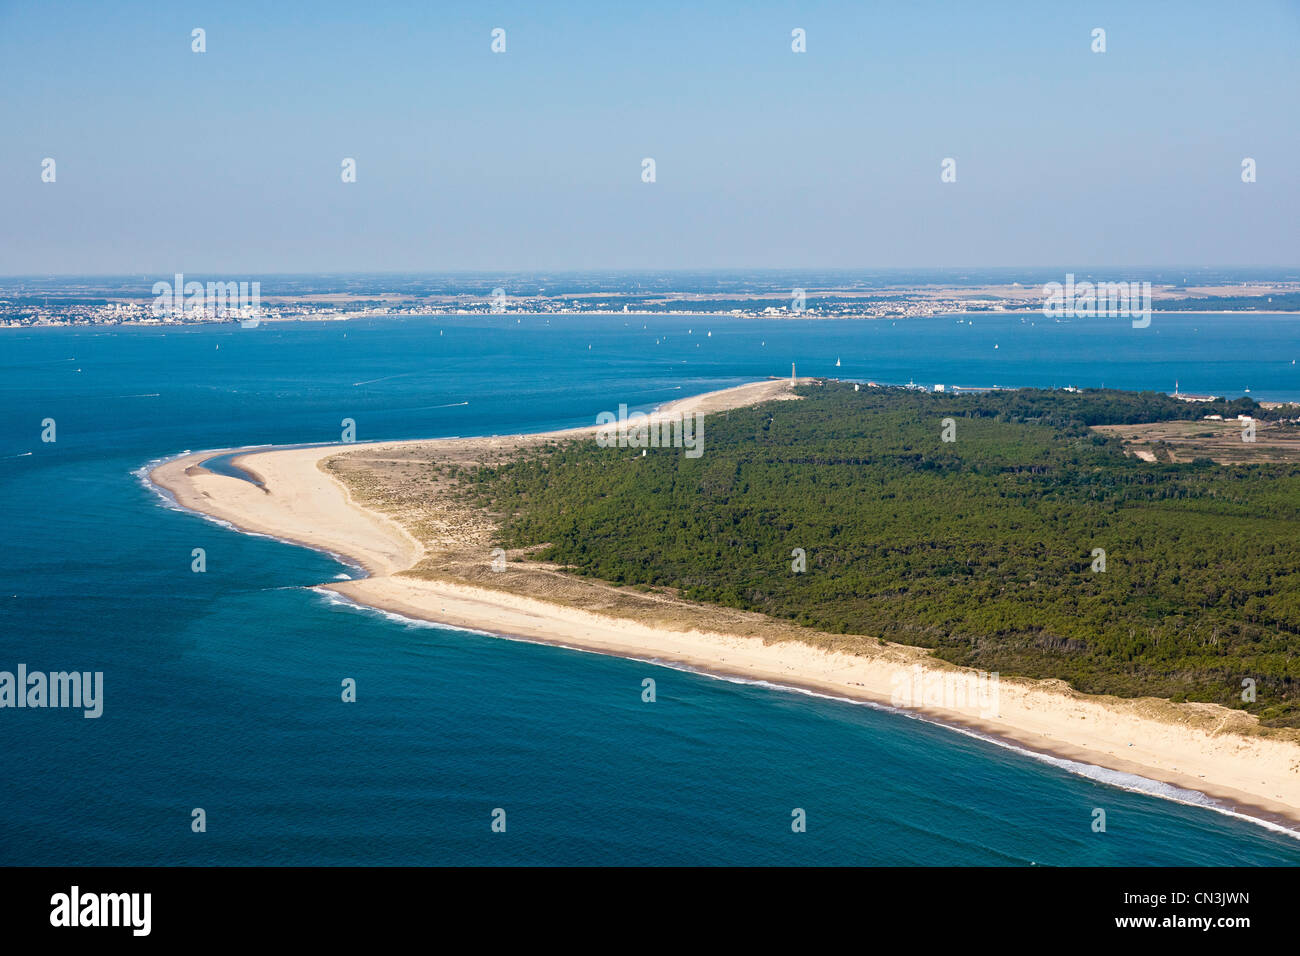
(1277, 302)
(982, 548)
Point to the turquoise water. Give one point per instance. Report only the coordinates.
(222, 688)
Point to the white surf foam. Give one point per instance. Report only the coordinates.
(1134, 783)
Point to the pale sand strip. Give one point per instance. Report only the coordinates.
(1188, 745)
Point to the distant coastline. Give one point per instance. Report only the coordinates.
(788, 294)
(792, 317)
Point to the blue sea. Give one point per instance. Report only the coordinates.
(222, 689)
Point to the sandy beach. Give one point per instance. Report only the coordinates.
(428, 560)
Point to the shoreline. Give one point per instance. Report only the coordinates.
(1137, 780)
(1185, 746)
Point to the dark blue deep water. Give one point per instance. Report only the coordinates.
(222, 689)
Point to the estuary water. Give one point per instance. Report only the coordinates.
(221, 689)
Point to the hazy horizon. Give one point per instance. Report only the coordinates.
(902, 271)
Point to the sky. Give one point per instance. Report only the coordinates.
(229, 161)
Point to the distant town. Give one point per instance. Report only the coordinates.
(142, 300)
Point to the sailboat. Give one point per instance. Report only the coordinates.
(837, 362)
